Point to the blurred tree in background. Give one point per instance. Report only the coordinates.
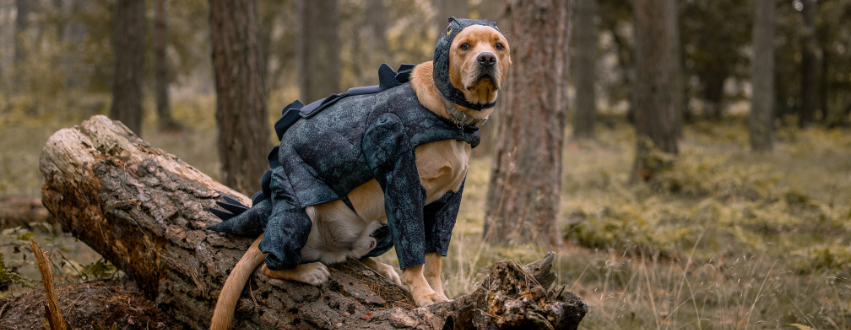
(656, 116)
(165, 121)
(241, 103)
(129, 61)
(22, 21)
(809, 63)
(761, 120)
(585, 69)
(616, 46)
(318, 49)
(524, 189)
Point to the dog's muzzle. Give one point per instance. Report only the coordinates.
(486, 60)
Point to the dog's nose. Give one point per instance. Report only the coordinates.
(486, 59)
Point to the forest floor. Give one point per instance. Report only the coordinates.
(722, 240)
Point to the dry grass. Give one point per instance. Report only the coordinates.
(725, 240)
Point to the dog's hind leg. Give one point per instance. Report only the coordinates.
(314, 273)
(384, 269)
(223, 316)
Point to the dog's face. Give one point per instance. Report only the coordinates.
(478, 62)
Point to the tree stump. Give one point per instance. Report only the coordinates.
(145, 211)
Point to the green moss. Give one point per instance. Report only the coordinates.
(735, 202)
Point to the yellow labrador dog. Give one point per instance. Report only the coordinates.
(442, 167)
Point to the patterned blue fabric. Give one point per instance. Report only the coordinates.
(346, 144)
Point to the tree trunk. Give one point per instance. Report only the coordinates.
(494, 11)
(129, 60)
(678, 90)
(761, 118)
(585, 64)
(145, 211)
(713, 95)
(240, 104)
(523, 194)
(656, 116)
(22, 22)
(809, 64)
(319, 49)
(166, 122)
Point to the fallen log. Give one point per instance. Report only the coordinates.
(22, 211)
(145, 211)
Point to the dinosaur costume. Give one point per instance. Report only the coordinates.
(333, 145)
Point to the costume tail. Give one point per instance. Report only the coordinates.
(229, 296)
(240, 219)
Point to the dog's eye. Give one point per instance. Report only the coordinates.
(499, 46)
(465, 46)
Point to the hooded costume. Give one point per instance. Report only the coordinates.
(331, 146)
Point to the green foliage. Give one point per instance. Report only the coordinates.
(7, 275)
(97, 269)
(738, 203)
(18, 235)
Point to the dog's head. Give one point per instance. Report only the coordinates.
(471, 62)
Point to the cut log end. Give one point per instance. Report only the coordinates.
(146, 211)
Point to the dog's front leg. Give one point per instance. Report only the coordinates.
(432, 271)
(384, 269)
(423, 294)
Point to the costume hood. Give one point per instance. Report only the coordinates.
(441, 62)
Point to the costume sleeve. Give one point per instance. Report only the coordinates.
(388, 152)
(288, 227)
(440, 218)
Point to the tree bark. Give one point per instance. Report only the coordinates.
(761, 117)
(240, 100)
(166, 122)
(585, 64)
(523, 194)
(656, 115)
(319, 49)
(145, 211)
(129, 60)
(809, 65)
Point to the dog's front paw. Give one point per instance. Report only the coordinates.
(429, 299)
(389, 273)
(314, 273)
